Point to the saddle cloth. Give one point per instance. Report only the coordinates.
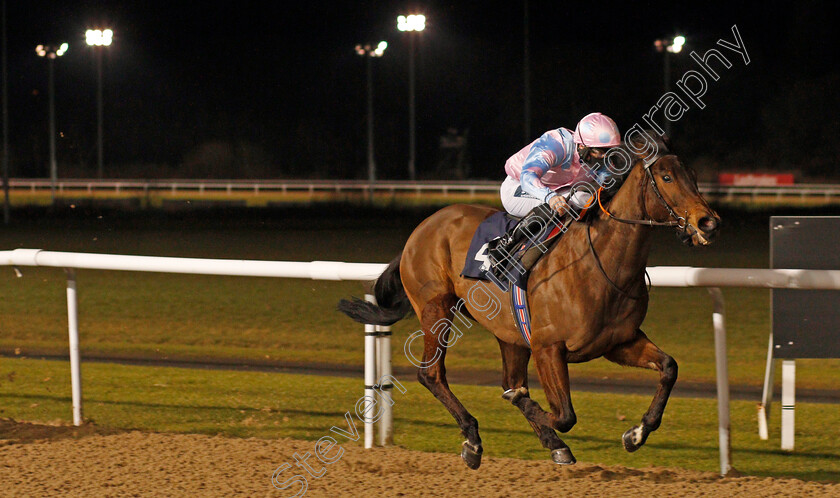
(494, 226)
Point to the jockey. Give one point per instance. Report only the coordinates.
(545, 170)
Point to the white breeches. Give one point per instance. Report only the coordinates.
(518, 202)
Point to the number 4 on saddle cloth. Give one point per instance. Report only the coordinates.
(510, 272)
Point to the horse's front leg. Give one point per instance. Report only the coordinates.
(515, 382)
(553, 370)
(641, 352)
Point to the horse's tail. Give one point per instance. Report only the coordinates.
(392, 301)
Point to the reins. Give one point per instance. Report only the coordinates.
(601, 268)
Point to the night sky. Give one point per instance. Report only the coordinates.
(275, 90)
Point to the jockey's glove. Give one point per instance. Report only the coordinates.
(556, 202)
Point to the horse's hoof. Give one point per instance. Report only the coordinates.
(563, 456)
(471, 454)
(634, 438)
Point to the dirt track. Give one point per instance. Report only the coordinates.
(40, 460)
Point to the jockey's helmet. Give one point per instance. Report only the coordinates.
(597, 131)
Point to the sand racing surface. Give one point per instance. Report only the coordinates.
(43, 460)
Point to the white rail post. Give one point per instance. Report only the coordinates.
(75, 361)
(370, 376)
(722, 374)
(767, 393)
(383, 351)
(788, 402)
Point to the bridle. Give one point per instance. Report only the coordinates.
(678, 221)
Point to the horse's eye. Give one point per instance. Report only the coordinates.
(666, 178)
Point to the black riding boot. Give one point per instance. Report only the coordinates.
(530, 228)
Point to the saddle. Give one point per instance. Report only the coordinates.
(512, 271)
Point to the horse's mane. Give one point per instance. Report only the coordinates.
(661, 142)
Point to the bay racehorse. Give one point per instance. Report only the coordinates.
(587, 297)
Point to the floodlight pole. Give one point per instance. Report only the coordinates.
(412, 24)
(412, 142)
(369, 52)
(99, 112)
(6, 209)
(53, 162)
(51, 52)
(370, 158)
(98, 39)
(669, 46)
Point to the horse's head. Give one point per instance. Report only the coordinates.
(669, 191)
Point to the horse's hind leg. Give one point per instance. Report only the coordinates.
(515, 382)
(640, 352)
(436, 321)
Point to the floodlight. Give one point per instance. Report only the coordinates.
(411, 23)
(99, 37)
(380, 49)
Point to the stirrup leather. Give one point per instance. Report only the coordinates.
(505, 252)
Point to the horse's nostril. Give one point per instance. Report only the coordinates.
(708, 224)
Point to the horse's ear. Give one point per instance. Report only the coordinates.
(667, 141)
(635, 143)
(640, 141)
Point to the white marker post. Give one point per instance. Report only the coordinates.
(75, 359)
(788, 402)
(383, 360)
(767, 393)
(370, 376)
(722, 376)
